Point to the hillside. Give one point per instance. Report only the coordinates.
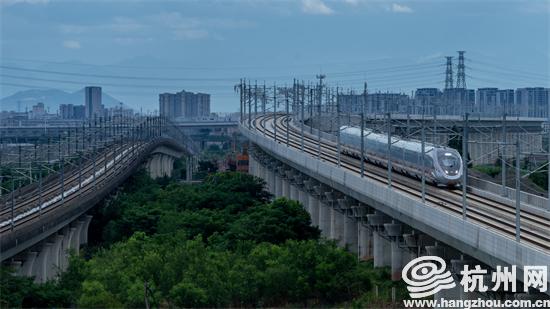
(51, 98)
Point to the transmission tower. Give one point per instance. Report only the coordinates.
(461, 74)
(449, 74)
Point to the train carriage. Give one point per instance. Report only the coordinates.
(442, 165)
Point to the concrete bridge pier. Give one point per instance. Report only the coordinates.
(263, 171)
(382, 250)
(350, 235)
(285, 188)
(301, 191)
(411, 240)
(251, 162)
(365, 242)
(259, 168)
(84, 232)
(364, 233)
(16, 266)
(381, 246)
(54, 260)
(314, 206)
(286, 184)
(294, 193)
(336, 218)
(269, 177)
(313, 203)
(49, 257)
(351, 231)
(188, 168)
(278, 183)
(456, 266)
(438, 250)
(292, 185)
(337, 226)
(28, 264)
(325, 216)
(75, 240)
(271, 180)
(309, 191)
(161, 165)
(399, 256)
(40, 267)
(68, 234)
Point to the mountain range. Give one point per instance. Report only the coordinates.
(52, 98)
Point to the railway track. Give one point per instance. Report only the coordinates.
(49, 189)
(29, 210)
(535, 229)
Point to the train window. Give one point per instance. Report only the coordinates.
(448, 160)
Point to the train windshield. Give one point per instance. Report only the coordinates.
(449, 161)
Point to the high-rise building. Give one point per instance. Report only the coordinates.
(427, 100)
(38, 110)
(70, 111)
(184, 104)
(533, 102)
(458, 101)
(170, 105)
(376, 103)
(203, 102)
(92, 102)
(352, 103)
(505, 101)
(66, 111)
(486, 102)
(79, 112)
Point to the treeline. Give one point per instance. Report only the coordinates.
(222, 243)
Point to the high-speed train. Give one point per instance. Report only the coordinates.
(443, 165)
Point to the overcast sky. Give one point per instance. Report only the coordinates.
(137, 49)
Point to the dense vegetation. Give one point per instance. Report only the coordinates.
(491, 170)
(540, 178)
(222, 243)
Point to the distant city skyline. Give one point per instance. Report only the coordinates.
(137, 49)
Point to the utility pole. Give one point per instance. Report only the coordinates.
(310, 101)
(264, 99)
(40, 192)
(320, 77)
(422, 159)
(287, 115)
(389, 148)
(408, 118)
(256, 99)
(241, 99)
(249, 106)
(12, 202)
(301, 100)
(518, 190)
(503, 156)
(363, 130)
(338, 127)
(62, 182)
(465, 166)
(275, 111)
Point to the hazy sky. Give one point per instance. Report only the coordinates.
(137, 49)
